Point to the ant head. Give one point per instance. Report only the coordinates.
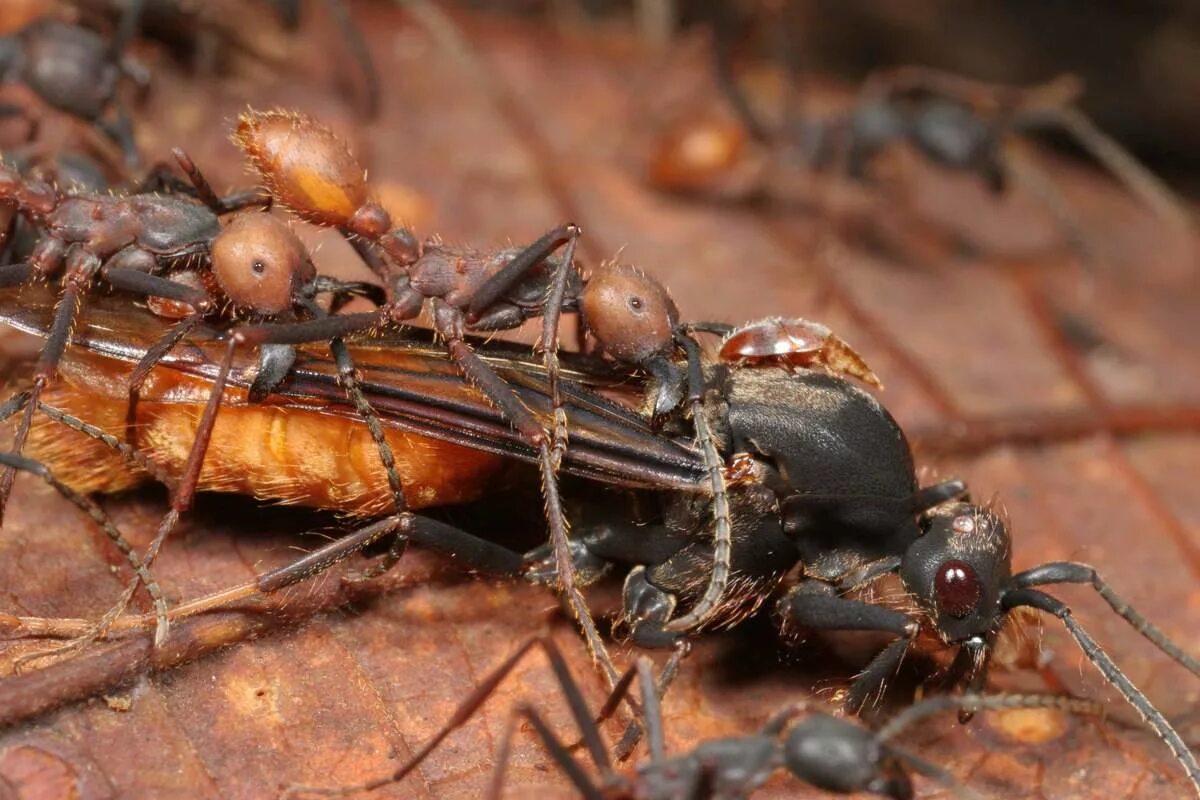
(630, 314)
(839, 756)
(306, 166)
(958, 569)
(259, 263)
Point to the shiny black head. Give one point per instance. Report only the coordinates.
(839, 756)
(958, 569)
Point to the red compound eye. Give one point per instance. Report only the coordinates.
(958, 588)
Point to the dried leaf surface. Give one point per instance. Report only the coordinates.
(347, 695)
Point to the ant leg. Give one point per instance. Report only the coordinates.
(478, 696)
(1044, 190)
(184, 491)
(206, 195)
(550, 324)
(448, 323)
(929, 497)
(718, 579)
(348, 377)
(1112, 673)
(141, 371)
(1117, 160)
(81, 267)
(89, 507)
(476, 554)
(493, 289)
(361, 54)
(814, 604)
(723, 21)
(120, 130)
(1073, 572)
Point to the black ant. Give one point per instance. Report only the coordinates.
(954, 122)
(206, 32)
(824, 751)
(74, 69)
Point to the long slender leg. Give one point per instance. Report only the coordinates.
(360, 52)
(181, 498)
(101, 519)
(142, 369)
(1073, 572)
(1112, 673)
(478, 696)
(710, 602)
(348, 376)
(81, 267)
(523, 420)
(550, 324)
(206, 195)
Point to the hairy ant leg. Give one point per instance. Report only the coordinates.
(110, 530)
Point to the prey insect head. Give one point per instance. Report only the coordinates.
(958, 569)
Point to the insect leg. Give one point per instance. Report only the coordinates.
(1113, 674)
(718, 579)
(102, 520)
(448, 322)
(814, 604)
(1072, 572)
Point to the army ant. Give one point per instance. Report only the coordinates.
(824, 751)
(823, 501)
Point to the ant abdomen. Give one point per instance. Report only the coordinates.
(306, 166)
(258, 262)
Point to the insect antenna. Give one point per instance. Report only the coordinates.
(1111, 672)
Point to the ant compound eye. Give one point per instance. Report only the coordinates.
(957, 588)
(636, 303)
(258, 267)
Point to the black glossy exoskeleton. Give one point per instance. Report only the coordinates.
(75, 70)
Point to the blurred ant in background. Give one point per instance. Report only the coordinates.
(955, 123)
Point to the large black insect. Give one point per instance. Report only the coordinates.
(821, 484)
(826, 752)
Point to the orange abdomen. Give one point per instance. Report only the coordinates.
(284, 454)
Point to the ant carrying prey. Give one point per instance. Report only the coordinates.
(827, 503)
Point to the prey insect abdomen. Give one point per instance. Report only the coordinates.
(288, 455)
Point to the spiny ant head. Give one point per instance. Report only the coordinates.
(259, 263)
(958, 568)
(839, 756)
(304, 164)
(630, 314)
